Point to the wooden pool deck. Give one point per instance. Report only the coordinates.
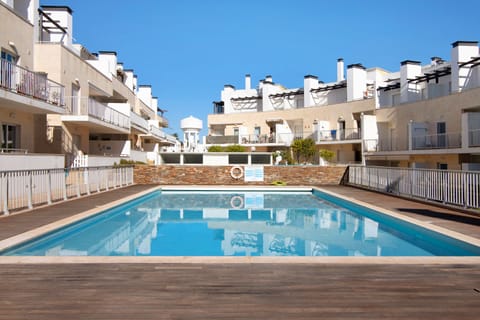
(245, 289)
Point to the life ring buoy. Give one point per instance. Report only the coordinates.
(236, 202)
(236, 172)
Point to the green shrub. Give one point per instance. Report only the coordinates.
(215, 149)
(235, 148)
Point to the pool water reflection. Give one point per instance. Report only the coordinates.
(234, 224)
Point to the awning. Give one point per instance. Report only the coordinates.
(274, 120)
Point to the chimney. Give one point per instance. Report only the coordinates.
(462, 51)
(408, 91)
(248, 83)
(145, 94)
(108, 61)
(340, 70)
(356, 81)
(62, 15)
(129, 78)
(269, 79)
(309, 82)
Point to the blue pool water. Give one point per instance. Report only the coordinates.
(180, 223)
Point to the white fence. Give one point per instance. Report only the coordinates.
(460, 188)
(28, 188)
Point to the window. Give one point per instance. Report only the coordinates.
(441, 134)
(10, 57)
(235, 131)
(442, 166)
(10, 136)
(7, 73)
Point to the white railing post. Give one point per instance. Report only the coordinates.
(49, 187)
(30, 190)
(5, 194)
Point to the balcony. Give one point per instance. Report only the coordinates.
(97, 116)
(24, 83)
(251, 139)
(139, 123)
(337, 135)
(437, 141)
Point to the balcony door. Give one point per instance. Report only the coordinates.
(441, 134)
(10, 137)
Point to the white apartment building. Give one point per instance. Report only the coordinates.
(424, 116)
(62, 105)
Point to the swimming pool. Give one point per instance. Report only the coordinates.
(242, 223)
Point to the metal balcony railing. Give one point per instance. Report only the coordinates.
(32, 84)
(474, 138)
(106, 114)
(139, 122)
(437, 141)
(338, 135)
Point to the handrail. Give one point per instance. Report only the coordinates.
(453, 187)
(33, 84)
(21, 189)
(107, 114)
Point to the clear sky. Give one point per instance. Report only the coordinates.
(189, 49)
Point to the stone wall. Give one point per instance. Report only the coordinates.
(220, 175)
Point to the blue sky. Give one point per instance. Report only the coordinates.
(188, 49)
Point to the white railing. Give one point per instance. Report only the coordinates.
(138, 121)
(460, 188)
(33, 84)
(106, 114)
(157, 132)
(28, 188)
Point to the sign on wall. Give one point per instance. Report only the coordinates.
(253, 173)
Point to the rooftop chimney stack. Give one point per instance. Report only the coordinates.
(340, 70)
(269, 79)
(248, 83)
(62, 15)
(462, 51)
(408, 90)
(356, 82)
(309, 82)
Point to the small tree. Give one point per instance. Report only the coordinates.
(326, 155)
(303, 150)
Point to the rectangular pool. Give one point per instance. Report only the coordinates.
(242, 223)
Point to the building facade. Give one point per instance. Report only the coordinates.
(57, 98)
(423, 116)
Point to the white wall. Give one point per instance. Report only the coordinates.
(30, 161)
(111, 147)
